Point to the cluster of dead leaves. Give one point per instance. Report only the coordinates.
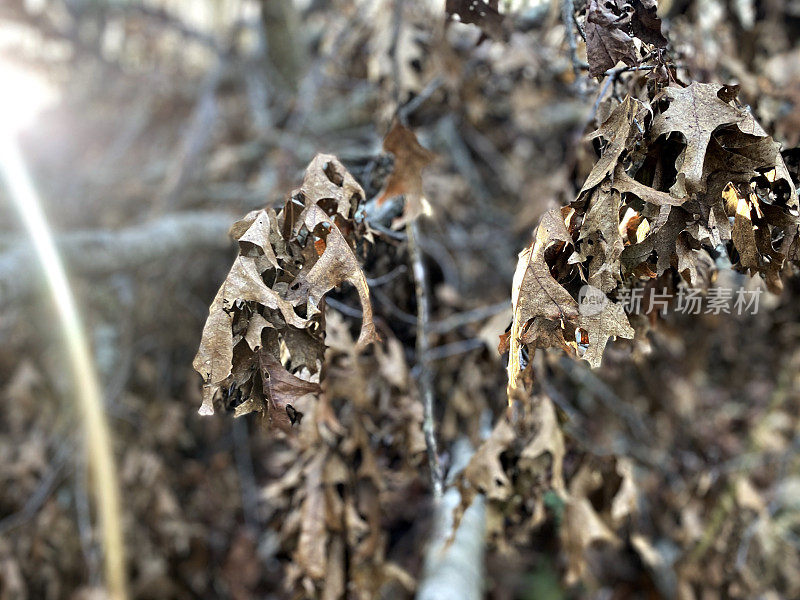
(263, 342)
(357, 471)
(268, 346)
(520, 469)
(680, 179)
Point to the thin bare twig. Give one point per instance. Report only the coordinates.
(395, 310)
(386, 277)
(578, 26)
(470, 316)
(423, 358)
(455, 348)
(100, 252)
(398, 25)
(343, 308)
(568, 18)
(412, 105)
(396, 235)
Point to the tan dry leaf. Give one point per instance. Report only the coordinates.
(215, 355)
(337, 264)
(484, 472)
(625, 501)
(748, 125)
(244, 282)
(392, 363)
(607, 39)
(609, 26)
(610, 321)
(601, 237)
(334, 587)
(695, 111)
(255, 326)
(305, 349)
(687, 260)
(624, 183)
(327, 179)
(548, 439)
(581, 527)
(661, 238)
(619, 132)
(742, 234)
(260, 235)
(536, 293)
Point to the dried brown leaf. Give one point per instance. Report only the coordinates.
(695, 111)
(410, 158)
(283, 391)
(337, 264)
(609, 322)
(619, 131)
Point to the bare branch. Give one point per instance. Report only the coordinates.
(101, 252)
(423, 358)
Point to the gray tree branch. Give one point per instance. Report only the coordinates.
(101, 252)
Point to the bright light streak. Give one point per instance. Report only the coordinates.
(23, 97)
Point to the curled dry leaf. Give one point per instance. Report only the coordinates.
(337, 264)
(621, 132)
(611, 321)
(535, 292)
(521, 467)
(582, 528)
(654, 204)
(283, 390)
(521, 460)
(538, 298)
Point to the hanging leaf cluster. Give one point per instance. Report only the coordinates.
(679, 181)
(263, 343)
(354, 470)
